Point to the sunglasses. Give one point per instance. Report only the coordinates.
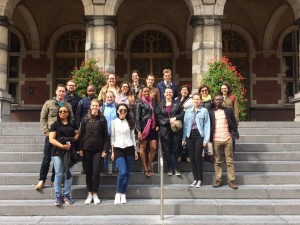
(63, 111)
(204, 90)
(123, 110)
(125, 86)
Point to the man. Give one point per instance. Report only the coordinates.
(83, 108)
(111, 86)
(223, 124)
(48, 116)
(72, 97)
(167, 82)
(84, 104)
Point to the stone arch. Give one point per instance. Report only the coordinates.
(246, 35)
(157, 27)
(283, 34)
(20, 36)
(7, 7)
(219, 7)
(268, 36)
(88, 7)
(295, 4)
(61, 31)
(34, 33)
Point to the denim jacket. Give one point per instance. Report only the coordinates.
(202, 122)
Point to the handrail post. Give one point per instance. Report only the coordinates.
(161, 170)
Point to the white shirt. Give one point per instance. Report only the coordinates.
(121, 135)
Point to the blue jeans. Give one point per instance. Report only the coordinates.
(124, 165)
(46, 161)
(59, 173)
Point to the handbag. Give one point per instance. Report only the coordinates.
(176, 126)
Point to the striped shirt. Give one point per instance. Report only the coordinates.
(221, 128)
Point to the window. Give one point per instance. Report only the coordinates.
(13, 66)
(290, 60)
(151, 52)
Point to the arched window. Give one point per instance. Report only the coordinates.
(151, 52)
(69, 53)
(13, 66)
(290, 56)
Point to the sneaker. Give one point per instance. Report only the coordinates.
(117, 199)
(170, 173)
(232, 185)
(193, 184)
(218, 183)
(40, 185)
(88, 200)
(198, 184)
(68, 200)
(58, 201)
(123, 199)
(177, 173)
(96, 199)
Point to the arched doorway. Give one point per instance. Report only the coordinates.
(235, 48)
(151, 52)
(69, 53)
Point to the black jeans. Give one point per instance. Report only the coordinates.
(46, 161)
(170, 146)
(92, 160)
(194, 145)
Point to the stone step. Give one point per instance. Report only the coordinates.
(269, 131)
(154, 219)
(266, 147)
(171, 191)
(265, 124)
(152, 207)
(242, 178)
(269, 139)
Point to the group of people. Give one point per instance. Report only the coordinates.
(131, 117)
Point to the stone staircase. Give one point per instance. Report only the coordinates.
(267, 162)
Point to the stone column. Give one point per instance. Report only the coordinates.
(5, 98)
(207, 45)
(296, 99)
(100, 40)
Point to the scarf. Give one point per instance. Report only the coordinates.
(207, 98)
(149, 121)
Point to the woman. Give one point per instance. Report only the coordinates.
(93, 145)
(206, 102)
(62, 135)
(147, 129)
(196, 134)
(154, 92)
(123, 150)
(186, 102)
(125, 96)
(136, 86)
(111, 86)
(110, 113)
(229, 100)
(167, 113)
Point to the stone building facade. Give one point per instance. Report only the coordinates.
(41, 41)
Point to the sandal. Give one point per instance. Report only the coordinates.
(151, 172)
(147, 174)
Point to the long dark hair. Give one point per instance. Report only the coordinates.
(68, 118)
(127, 117)
(89, 114)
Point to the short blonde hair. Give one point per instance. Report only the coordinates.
(167, 71)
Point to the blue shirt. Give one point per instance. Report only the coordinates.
(202, 122)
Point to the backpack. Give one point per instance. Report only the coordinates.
(232, 98)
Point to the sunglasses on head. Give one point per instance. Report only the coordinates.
(123, 110)
(63, 111)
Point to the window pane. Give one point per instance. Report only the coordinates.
(13, 66)
(13, 90)
(287, 45)
(14, 43)
(289, 91)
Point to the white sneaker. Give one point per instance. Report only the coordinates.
(96, 199)
(193, 184)
(123, 199)
(199, 184)
(89, 200)
(117, 199)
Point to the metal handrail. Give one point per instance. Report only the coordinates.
(161, 171)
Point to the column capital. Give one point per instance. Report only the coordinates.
(4, 21)
(101, 20)
(208, 20)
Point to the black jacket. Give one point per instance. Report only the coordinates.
(94, 135)
(232, 124)
(143, 112)
(73, 100)
(163, 118)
